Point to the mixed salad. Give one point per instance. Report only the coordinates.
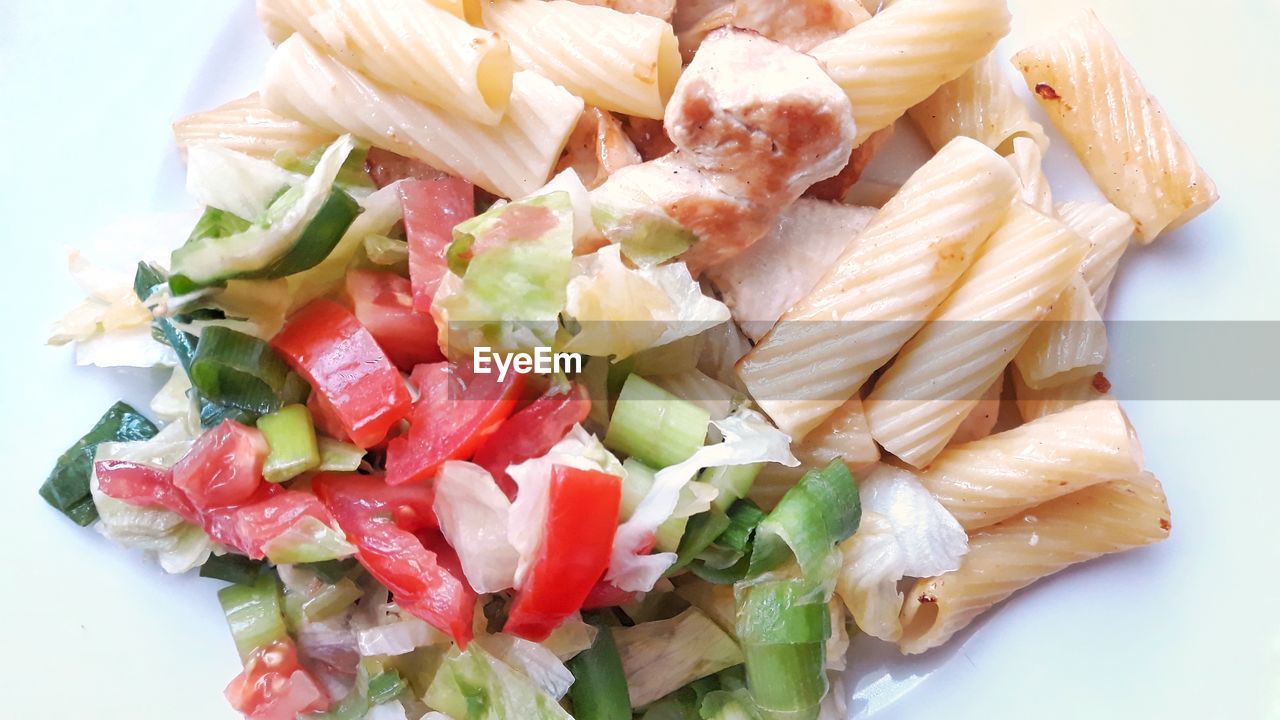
(406, 535)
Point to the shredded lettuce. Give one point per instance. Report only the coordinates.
(241, 184)
(662, 656)
(623, 310)
(509, 268)
(211, 259)
(474, 516)
(177, 544)
(905, 532)
(537, 662)
(632, 220)
(570, 638)
(474, 685)
(748, 439)
(579, 449)
(397, 637)
(579, 199)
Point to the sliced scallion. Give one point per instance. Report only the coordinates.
(820, 511)
(233, 568)
(599, 689)
(331, 600)
(237, 370)
(654, 426)
(386, 687)
(291, 436)
(783, 627)
(253, 613)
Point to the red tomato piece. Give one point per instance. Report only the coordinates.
(457, 410)
(605, 594)
(391, 528)
(582, 517)
(383, 303)
(142, 485)
(386, 167)
(431, 208)
(326, 344)
(244, 527)
(273, 685)
(326, 418)
(223, 467)
(531, 432)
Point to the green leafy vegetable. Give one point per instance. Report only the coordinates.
(238, 371)
(67, 487)
(599, 690)
(233, 568)
(474, 685)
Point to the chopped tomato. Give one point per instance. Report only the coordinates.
(326, 344)
(383, 303)
(457, 410)
(605, 594)
(431, 209)
(223, 467)
(582, 517)
(244, 527)
(142, 485)
(386, 167)
(326, 418)
(392, 529)
(273, 685)
(531, 432)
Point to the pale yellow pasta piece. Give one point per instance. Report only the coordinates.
(1033, 403)
(1107, 518)
(999, 476)
(843, 435)
(882, 289)
(661, 9)
(1108, 230)
(623, 62)
(511, 159)
(982, 419)
(246, 126)
(907, 51)
(407, 45)
(1069, 345)
(980, 104)
(468, 10)
(1118, 130)
(942, 372)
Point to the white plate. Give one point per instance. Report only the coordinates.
(1182, 630)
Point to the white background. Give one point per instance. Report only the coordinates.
(1187, 629)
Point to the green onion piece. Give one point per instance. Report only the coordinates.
(292, 439)
(146, 279)
(308, 540)
(337, 456)
(744, 517)
(67, 487)
(386, 687)
(237, 370)
(316, 240)
(331, 600)
(296, 390)
(783, 627)
(701, 531)
(332, 571)
(233, 568)
(733, 482)
(253, 613)
(820, 511)
(654, 426)
(599, 689)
